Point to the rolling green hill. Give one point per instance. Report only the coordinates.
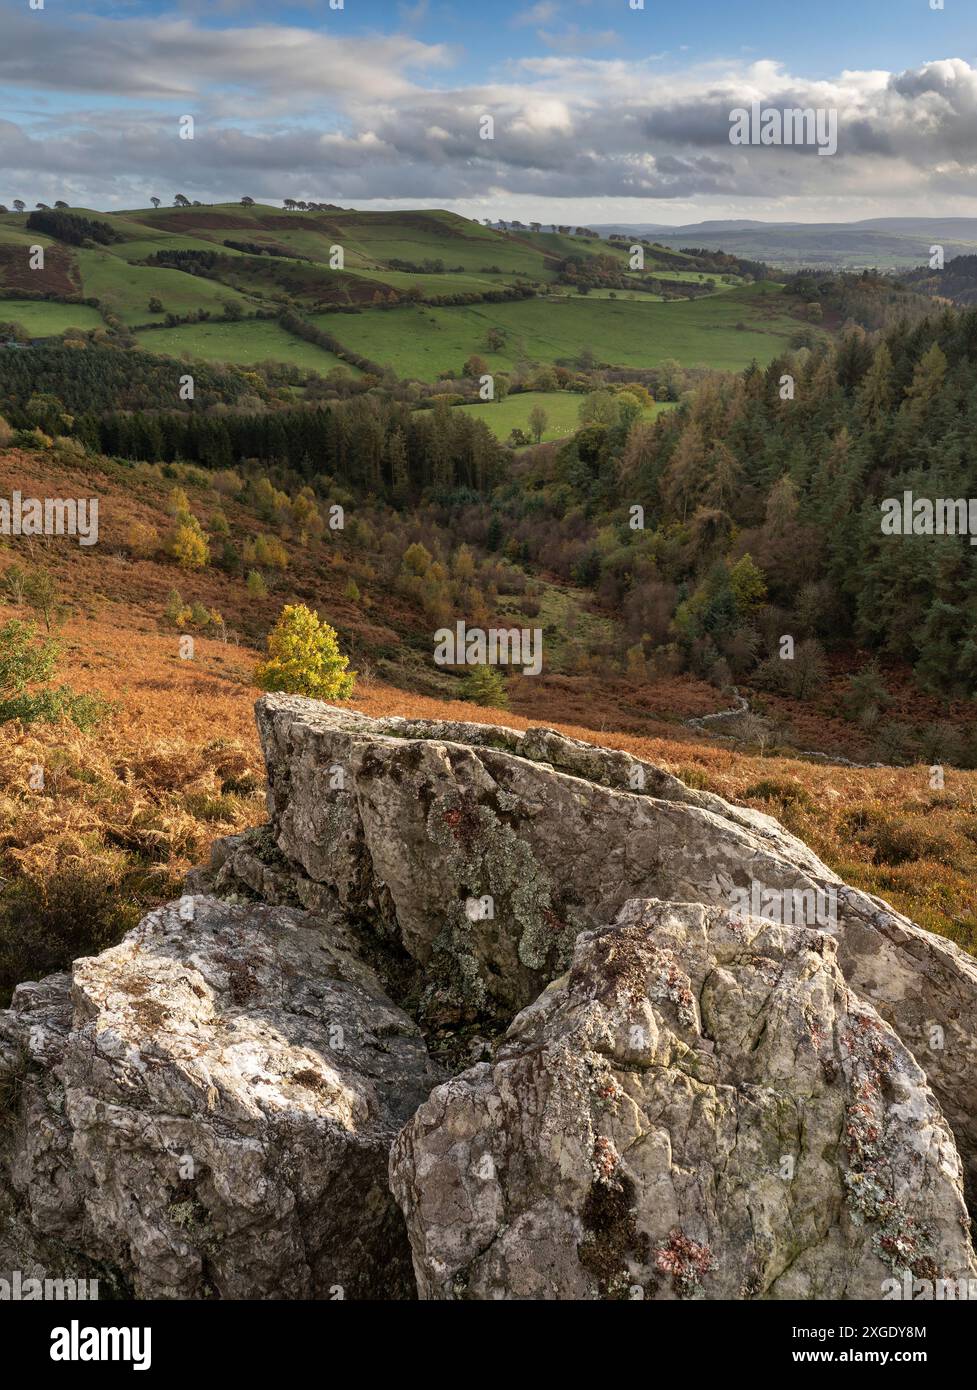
(419, 291)
(126, 289)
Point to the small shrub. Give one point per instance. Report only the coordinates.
(786, 793)
(142, 540)
(177, 612)
(27, 662)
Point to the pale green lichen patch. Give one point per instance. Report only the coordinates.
(869, 1181)
(484, 858)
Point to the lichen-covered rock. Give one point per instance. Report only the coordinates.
(700, 1107)
(421, 823)
(206, 1110)
(925, 987)
(693, 1101)
(415, 823)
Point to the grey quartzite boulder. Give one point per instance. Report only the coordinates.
(411, 821)
(691, 1099)
(207, 1108)
(701, 1106)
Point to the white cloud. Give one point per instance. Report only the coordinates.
(176, 58)
(299, 112)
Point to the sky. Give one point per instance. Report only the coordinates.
(602, 110)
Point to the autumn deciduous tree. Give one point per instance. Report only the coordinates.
(177, 612)
(304, 658)
(748, 586)
(141, 539)
(599, 408)
(178, 501)
(538, 420)
(475, 366)
(924, 390)
(188, 544)
(41, 594)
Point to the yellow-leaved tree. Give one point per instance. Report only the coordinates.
(188, 544)
(304, 658)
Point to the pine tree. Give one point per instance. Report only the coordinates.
(484, 686)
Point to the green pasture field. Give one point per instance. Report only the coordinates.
(562, 409)
(45, 318)
(243, 343)
(724, 331)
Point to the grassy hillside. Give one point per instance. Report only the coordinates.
(43, 318)
(279, 259)
(242, 343)
(726, 332)
(125, 289)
